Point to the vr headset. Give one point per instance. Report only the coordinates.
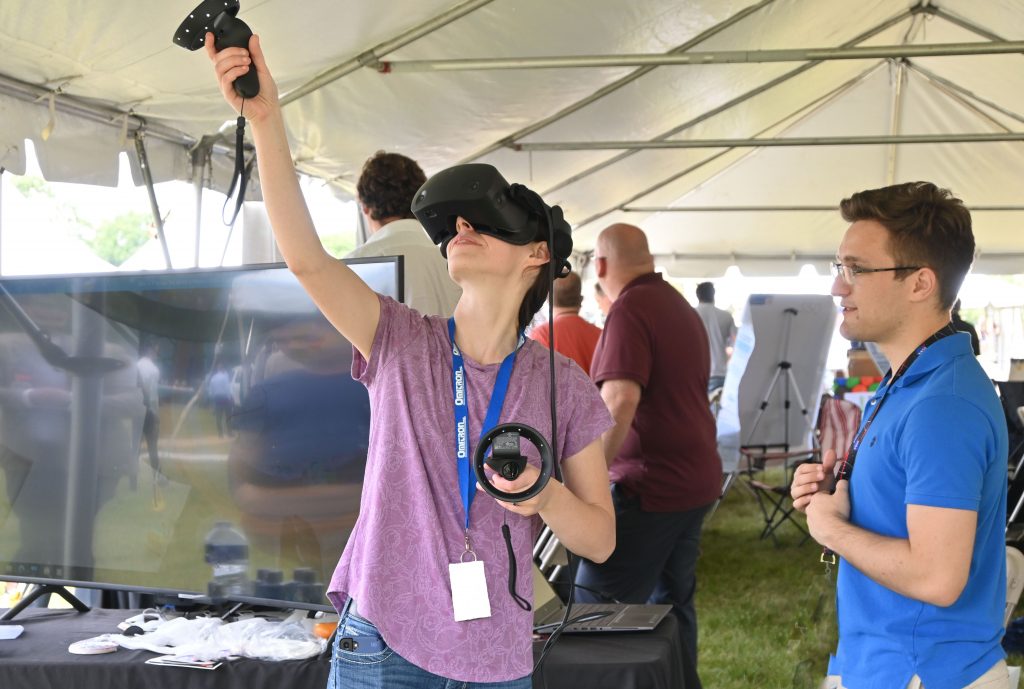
(510, 212)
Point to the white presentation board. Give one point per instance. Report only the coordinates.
(775, 329)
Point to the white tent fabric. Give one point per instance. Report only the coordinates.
(109, 69)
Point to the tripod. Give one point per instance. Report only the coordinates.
(783, 370)
(778, 495)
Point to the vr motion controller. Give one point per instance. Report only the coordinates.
(220, 17)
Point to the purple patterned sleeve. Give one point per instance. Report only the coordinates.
(396, 330)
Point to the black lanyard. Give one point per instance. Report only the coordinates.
(846, 466)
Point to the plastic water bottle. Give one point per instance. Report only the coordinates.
(227, 553)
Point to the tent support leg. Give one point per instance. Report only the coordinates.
(140, 150)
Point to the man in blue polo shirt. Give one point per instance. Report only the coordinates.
(918, 514)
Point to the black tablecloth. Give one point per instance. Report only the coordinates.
(39, 659)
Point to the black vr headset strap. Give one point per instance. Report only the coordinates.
(532, 200)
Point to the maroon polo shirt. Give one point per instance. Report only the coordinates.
(654, 337)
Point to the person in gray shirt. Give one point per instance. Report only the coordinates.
(721, 332)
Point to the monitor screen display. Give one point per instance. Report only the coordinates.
(194, 433)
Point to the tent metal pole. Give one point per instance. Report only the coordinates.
(791, 257)
(199, 157)
(965, 137)
(889, 23)
(113, 117)
(777, 209)
(371, 57)
(706, 58)
(2, 171)
(147, 177)
(618, 83)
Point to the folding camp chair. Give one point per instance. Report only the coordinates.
(1014, 581)
(549, 554)
(835, 427)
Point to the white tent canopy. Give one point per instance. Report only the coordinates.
(81, 79)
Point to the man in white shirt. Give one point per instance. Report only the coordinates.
(386, 187)
(721, 332)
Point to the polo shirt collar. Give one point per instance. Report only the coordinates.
(644, 279)
(393, 228)
(936, 355)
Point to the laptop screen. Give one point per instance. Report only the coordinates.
(546, 603)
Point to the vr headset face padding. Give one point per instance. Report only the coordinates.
(477, 192)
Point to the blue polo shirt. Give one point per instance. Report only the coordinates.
(939, 440)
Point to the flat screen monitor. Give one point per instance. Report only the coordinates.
(140, 411)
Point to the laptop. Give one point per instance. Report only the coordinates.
(548, 610)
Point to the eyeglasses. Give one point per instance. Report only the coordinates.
(850, 273)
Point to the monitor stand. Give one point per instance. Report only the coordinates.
(42, 590)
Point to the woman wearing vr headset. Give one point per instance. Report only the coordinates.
(417, 607)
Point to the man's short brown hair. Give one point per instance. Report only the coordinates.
(928, 227)
(569, 292)
(387, 185)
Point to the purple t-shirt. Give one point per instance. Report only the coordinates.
(411, 522)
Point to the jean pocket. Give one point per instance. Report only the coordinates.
(358, 641)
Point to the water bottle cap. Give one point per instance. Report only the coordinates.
(304, 575)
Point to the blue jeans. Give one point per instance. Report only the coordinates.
(655, 561)
(376, 666)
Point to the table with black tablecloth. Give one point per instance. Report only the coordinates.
(39, 659)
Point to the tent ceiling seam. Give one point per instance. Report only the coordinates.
(799, 114)
(966, 103)
(371, 57)
(896, 19)
(894, 122)
(965, 24)
(620, 83)
(966, 93)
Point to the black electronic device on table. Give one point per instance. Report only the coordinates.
(221, 18)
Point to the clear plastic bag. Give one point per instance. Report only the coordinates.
(210, 638)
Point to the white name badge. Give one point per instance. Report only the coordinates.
(469, 590)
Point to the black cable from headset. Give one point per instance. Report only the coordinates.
(553, 272)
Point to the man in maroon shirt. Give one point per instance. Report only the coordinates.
(652, 365)
(575, 337)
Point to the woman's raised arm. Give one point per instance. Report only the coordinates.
(346, 301)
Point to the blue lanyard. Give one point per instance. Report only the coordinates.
(467, 484)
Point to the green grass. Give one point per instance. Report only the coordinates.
(766, 613)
